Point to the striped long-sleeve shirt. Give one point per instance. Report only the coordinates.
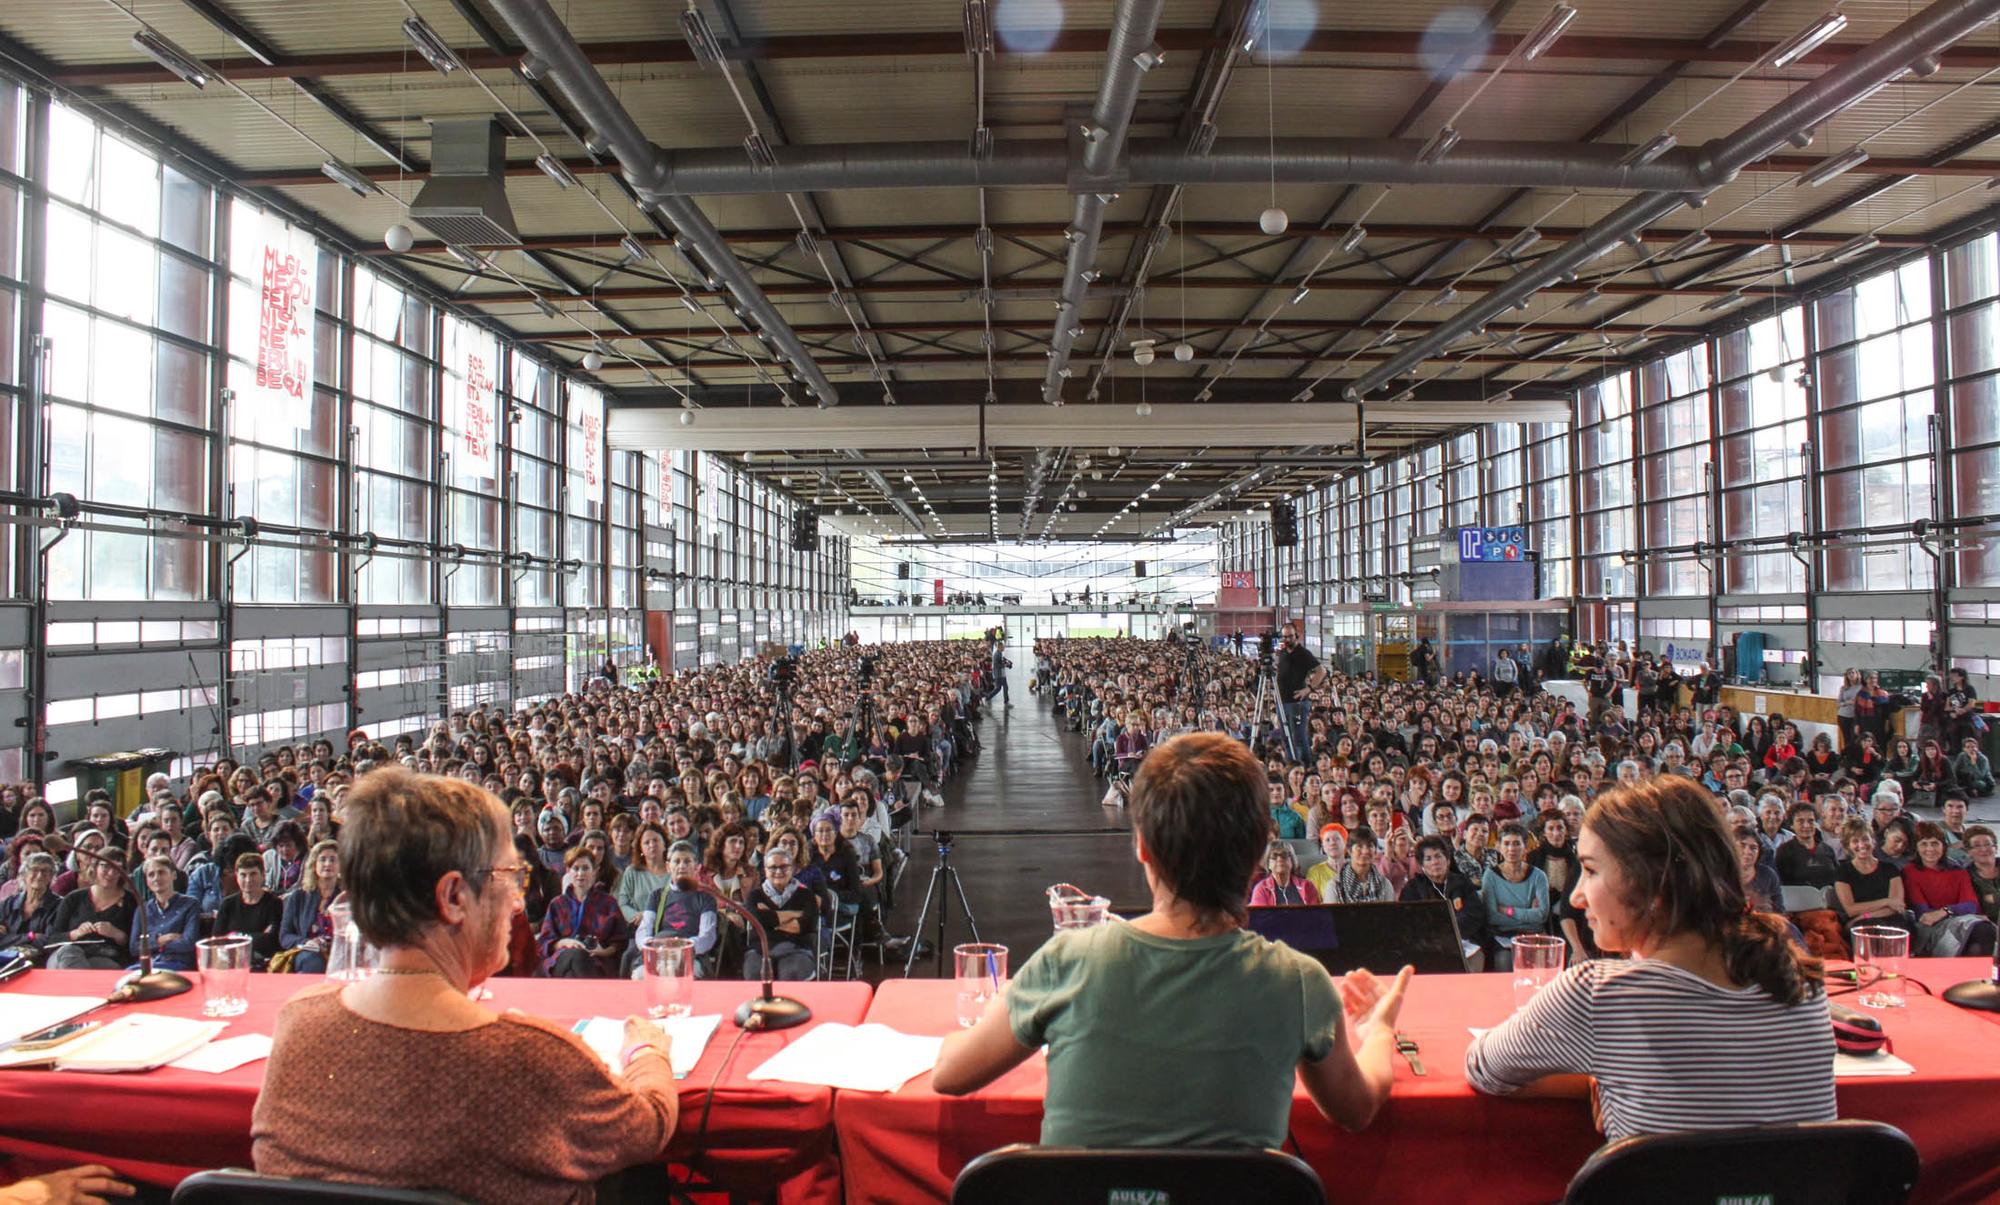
(1670, 1051)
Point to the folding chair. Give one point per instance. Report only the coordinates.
(233, 1186)
(1810, 1163)
(1075, 1176)
(1800, 898)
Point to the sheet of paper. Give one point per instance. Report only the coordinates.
(139, 1042)
(227, 1054)
(1854, 1066)
(860, 1058)
(24, 1014)
(606, 1038)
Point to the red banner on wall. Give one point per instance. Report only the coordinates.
(937, 591)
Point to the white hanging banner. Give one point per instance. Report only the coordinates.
(284, 273)
(476, 401)
(666, 486)
(589, 405)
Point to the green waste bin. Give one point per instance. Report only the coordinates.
(122, 774)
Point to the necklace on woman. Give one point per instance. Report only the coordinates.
(409, 971)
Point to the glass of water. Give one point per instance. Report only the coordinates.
(1879, 951)
(669, 976)
(982, 972)
(1538, 959)
(224, 963)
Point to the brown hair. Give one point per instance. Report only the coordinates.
(1201, 804)
(404, 832)
(1680, 870)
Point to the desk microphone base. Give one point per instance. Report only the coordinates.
(772, 1012)
(1981, 994)
(140, 986)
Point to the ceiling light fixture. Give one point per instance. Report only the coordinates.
(190, 69)
(1688, 245)
(1439, 145)
(1808, 39)
(1829, 169)
(348, 178)
(1858, 245)
(430, 45)
(554, 169)
(1537, 43)
(1518, 245)
(1640, 156)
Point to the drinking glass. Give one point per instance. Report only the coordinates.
(1538, 959)
(348, 954)
(1074, 908)
(224, 963)
(669, 976)
(982, 972)
(1879, 951)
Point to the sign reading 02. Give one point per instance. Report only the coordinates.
(1492, 543)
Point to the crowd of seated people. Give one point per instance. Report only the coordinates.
(1474, 790)
(627, 805)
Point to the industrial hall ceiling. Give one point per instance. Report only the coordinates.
(1386, 221)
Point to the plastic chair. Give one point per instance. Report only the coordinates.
(1796, 897)
(1050, 1175)
(1810, 1163)
(1306, 853)
(233, 1186)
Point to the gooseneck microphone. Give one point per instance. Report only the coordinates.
(767, 1010)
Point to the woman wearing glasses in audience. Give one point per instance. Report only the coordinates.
(435, 883)
(1282, 885)
(1128, 1066)
(1750, 1043)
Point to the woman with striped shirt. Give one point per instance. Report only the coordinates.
(1715, 1020)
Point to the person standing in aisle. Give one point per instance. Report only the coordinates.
(996, 642)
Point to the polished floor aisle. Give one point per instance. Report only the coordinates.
(1022, 815)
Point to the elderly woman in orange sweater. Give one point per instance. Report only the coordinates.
(435, 880)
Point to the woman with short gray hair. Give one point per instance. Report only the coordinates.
(435, 880)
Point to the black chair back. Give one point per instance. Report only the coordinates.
(233, 1186)
(1811, 1163)
(1144, 1176)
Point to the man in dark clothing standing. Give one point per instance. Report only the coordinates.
(1298, 671)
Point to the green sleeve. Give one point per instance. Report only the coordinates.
(1038, 992)
(1321, 1010)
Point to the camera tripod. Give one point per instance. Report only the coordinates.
(945, 874)
(1267, 688)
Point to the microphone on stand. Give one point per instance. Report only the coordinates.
(144, 983)
(766, 1011)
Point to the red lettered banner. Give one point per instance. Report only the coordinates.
(286, 266)
(937, 591)
(590, 423)
(477, 404)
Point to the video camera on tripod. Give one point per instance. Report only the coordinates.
(1267, 650)
(782, 672)
(864, 669)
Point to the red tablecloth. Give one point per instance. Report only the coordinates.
(764, 1137)
(1437, 1139)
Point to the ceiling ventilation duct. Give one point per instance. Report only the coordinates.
(465, 200)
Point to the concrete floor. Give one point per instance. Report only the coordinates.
(1022, 815)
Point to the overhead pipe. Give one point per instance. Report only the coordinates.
(1133, 24)
(715, 171)
(558, 58)
(1929, 32)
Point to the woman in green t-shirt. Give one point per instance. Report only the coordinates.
(1145, 1021)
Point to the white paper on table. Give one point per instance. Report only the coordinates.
(227, 1054)
(1854, 1066)
(138, 1042)
(688, 1037)
(21, 1015)
(860, 1058)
